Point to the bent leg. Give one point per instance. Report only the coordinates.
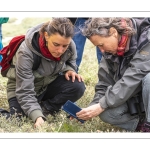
(146, 95)
(15, 108)
(61, 90)
(79, 40)
(99, 55)
(120, 117)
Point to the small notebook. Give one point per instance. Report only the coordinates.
(71, 108)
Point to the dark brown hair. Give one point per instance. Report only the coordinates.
(62, 26)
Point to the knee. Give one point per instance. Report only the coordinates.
(113, 115)
(103, 116)
(108, 117)
(79, 88)
(146, 80)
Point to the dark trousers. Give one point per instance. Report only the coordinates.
(57, 93)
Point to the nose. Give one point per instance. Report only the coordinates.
(102, 50)
(60, 50)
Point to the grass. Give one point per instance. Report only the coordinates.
(88, 69)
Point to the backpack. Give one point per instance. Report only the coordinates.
(9, 51)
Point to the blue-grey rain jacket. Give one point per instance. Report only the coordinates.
(121, 80)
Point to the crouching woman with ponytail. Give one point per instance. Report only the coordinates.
(37, 93)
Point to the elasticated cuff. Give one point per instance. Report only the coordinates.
(35, 114)
(103, 103)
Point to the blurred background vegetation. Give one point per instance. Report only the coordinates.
(88, 69)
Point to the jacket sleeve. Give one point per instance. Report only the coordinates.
(129, 84)
(105, 80)
(25, 84)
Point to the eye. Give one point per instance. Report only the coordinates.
(65, 46)
(100, 45)
(55, 44)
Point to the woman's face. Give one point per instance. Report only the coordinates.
(57, 44)
(106, 44)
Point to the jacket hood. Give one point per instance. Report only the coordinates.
(29, 36)
(143, 25)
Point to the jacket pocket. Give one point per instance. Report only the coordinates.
(117, 113)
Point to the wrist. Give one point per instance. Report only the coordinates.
(100, 108)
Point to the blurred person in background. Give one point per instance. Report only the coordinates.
(80, 40)
(2, 20)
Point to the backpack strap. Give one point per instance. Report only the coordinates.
(76, 69)
(36, 58)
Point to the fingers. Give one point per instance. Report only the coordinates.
(71, 118)
(67, 76)
(79, 77)
(84, 114)
(37, 125)
(38, 122)
(74, 75)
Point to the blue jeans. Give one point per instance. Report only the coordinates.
(80, 40)
(146, 95)
(120, 117)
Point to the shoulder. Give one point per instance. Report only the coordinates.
(24, 50)
(72, 45)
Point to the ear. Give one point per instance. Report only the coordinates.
(113, 32)
(46, 36)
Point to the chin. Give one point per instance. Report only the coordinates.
(56, 56)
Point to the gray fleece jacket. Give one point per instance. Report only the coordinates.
(26, 84)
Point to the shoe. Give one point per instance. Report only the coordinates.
(4, 113)
(48, 109)
(143, 126)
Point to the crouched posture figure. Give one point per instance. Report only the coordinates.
(35, 93)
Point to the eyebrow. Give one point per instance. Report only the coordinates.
(59, 44)
(55, 43)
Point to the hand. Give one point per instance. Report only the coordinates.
(71, 118)
(39, 122)
(73, 75)
(90, 112)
